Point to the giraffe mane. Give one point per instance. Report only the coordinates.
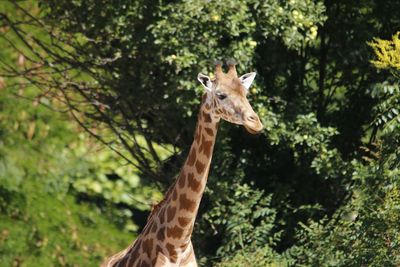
(156, 207)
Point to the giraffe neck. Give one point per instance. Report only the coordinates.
(179, 211)
(170, 225)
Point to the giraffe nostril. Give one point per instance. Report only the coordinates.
(252, 118)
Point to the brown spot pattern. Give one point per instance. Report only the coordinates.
(207, 117)
(171, 213)
(205, 147)
(161, 234)
(147, 246)
(175, 232)
(158, 250)
(184, 221)
(154, 227)
(182, 179)
(193, 183)
(173, 256)
(162, 215)
(186, 203)
(200, 167)
(209, 131)
(192, 157)
(174, 195)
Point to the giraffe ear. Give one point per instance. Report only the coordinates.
(205, 81)
(247, 79)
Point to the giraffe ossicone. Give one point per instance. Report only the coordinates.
(165, 240)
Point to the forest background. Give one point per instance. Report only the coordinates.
(98, 101)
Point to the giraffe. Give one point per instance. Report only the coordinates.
(166, 238)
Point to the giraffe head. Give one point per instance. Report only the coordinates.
(227, 96)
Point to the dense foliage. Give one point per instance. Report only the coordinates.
(41, 224)
(319, 187)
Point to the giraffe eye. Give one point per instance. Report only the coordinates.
(221, 96)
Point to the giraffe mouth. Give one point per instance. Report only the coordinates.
(254, 130)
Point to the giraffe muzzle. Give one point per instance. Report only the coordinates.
(252, 123)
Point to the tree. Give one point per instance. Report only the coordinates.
(126, 73)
